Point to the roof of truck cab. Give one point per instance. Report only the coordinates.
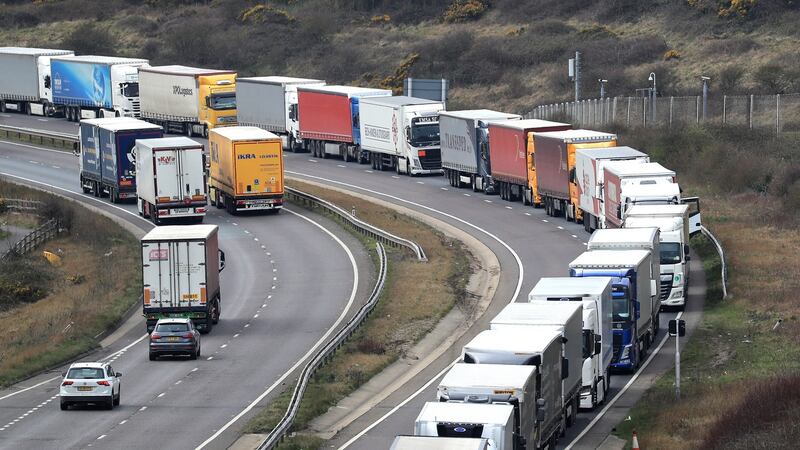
(537, 313)
(623, 235)
(610, 258)
(130, 124)
(349, 91)
(186, 70)
(665, 223)
(577, 136)
(566, 287)
(656, 210)
(496, 414)
(110, 60)
(528, 124)
(244, 133)
(464, 375)
(278, 80)
(169, 142)
(638, 169)
(611, 152)
(401, 100)
(438, 443)
(481, 114)
(179, 232)
(521, 341)
(34, 51)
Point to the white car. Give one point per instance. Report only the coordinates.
(90, 382)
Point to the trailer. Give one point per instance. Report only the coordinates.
(170, 179)
(26, 84)
(554, 161)
(89, 87)
(401, 133)
(330, 120)
(465, 147)
(511, 161)
(270, 103)
(108, 158)
(188, 100)
(403, 442)
(589, 169)
(629, 183)
(180, 274)
(466, 420)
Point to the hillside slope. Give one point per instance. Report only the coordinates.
(505, 54)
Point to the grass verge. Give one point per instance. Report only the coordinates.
(72, 304)
(416, 296)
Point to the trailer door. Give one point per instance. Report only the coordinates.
(695, 221)
(174, 274)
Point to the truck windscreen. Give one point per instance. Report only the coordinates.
(130, 89)
(425, 134)
(620, 304)
(220, 102)
(670, 252)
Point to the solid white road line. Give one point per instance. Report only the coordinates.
(312, 349)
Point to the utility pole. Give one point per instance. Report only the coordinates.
(705, 95)
(577, 76)
(602, 87)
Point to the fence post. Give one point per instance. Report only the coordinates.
(697, 108)
(724, 108)
(628, 118)
(644, 112)
(671, 101)
(751, 111)
(778, 113)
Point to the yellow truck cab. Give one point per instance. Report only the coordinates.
(217, 100)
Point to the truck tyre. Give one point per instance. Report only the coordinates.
(154, 215)
(112, 197)
(215, 312)
(2, 106)
(217, 203)
(28, 109)
(193, 355)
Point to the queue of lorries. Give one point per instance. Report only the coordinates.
(520, 383)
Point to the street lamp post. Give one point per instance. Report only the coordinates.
(705, 80)
(653, 92)
(602, 87)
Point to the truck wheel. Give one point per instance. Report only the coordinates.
(587, 219)
(112, 196)
(215, 313)
(154, 215)
(2, 106)
(205, 131)
(230, 205)
(217, 203)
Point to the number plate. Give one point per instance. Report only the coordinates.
(180, 210)
(84, 388)
(173, 338)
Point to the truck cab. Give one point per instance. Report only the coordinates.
(422, 152)
(629, 183)
(126, 91)
(218, 100)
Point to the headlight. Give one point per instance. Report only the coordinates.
(676, 294)
(677, 280)
(626, 353)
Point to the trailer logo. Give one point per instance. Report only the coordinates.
(455, 142)
(394, 128)
(378, 133)
(246, 156)
(178, 90)
(166, 160)
(159, 254)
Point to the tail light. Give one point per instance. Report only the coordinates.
(200, 210)
(67, 383)
(155, 336)
(163, 212)
(188, 336)
(104, 383)
(240, 202)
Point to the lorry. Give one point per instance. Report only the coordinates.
(594, 293)
(509, 156)
(673, 222)
(496, 384)
(539, 347)
(465, 147)
(188, 100)
(554, 164)
(589, 170)
(170, 179)
(270, 103)
(568, 318)
(494, 423)
(26, 84)
(634, 319)
(401, 133)
(439, 443)
(330, 120)
(634, 239)
(89, 86)
(180, 274)
(629, 183)
(108, 155)
(246, 170)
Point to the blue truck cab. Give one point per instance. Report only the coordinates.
(633, 316)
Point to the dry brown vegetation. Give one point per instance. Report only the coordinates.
(80, 299)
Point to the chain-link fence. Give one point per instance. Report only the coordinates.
(779, 112)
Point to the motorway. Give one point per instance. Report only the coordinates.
(256, 347)
(528, 244)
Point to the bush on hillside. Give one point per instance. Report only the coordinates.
(465, 10)
(91, 39)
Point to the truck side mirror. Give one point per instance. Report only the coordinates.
(221, 260)
(541, 405)
(564, 368)
(598, 344)
(408, 133)
(293, 112)
(686, 249)
(47, 81)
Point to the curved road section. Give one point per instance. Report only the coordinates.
(272, 319)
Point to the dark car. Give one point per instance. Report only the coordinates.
(174, 337)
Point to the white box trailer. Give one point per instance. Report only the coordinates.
(595, 295)
(270, 103)
(180, 274)
(634, 239)
(628, 183)
(170, 179)
(401, 133)
(439, 443)
(468, 420)
(589, 169)
(568, 318)
(496, 384)
(26, 84)
(540, 347)
(673, 222)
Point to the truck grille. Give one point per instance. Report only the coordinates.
(137, 110)
(616, 346)
(432, 159)
(666, 287)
